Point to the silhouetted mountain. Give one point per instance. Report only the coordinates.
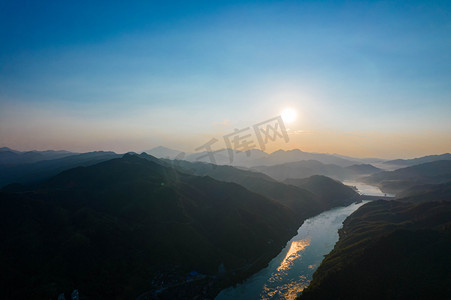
(306, 203)
(253, 157)
(228, 157)
(256, 157)
(362, 169)
(437, 192)
(110, 228)
(39, 171)
(281, 157)
(399, 180)
(10, 157)
(307, 168)
(5, 149)
(163, 152)
(366, 160)
(331, 191)
(223, 173)
(302, 169)
(389, 250)
(419, 160)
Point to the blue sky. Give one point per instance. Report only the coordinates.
(366, 78)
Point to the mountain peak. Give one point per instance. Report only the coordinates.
(130, 155)
(163, 152)
(295, 151)
(280, 151)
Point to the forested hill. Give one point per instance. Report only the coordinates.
(391, 250)
(110, 228)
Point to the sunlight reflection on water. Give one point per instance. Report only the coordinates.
(277, 285)
(291, 271)
(294, 253)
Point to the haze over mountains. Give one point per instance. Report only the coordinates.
(34, 166)
(307, 168)
(99, 219)
(18, 166)
(419, 160)
(255, 157)
(10, 156)
(435, 172)
(23, 171)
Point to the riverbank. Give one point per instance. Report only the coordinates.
(291, 270)
(389, 250)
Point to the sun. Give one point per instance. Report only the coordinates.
(288, 115)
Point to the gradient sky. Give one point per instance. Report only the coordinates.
(366, 78)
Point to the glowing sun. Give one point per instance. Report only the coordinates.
(288, 115)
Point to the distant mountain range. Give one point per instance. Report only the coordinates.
(34, 172)
(9, 156)
(419, 160)
(20, 167)
(254, 157)
(164, 152)
(307, 168)
(257, 158)
(221, 157)
(34, 166)
(405, 178)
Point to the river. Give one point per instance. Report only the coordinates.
(366, 189)
(291, 271)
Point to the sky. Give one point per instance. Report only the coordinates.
(366, 79)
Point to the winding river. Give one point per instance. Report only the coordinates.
(291, 271)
